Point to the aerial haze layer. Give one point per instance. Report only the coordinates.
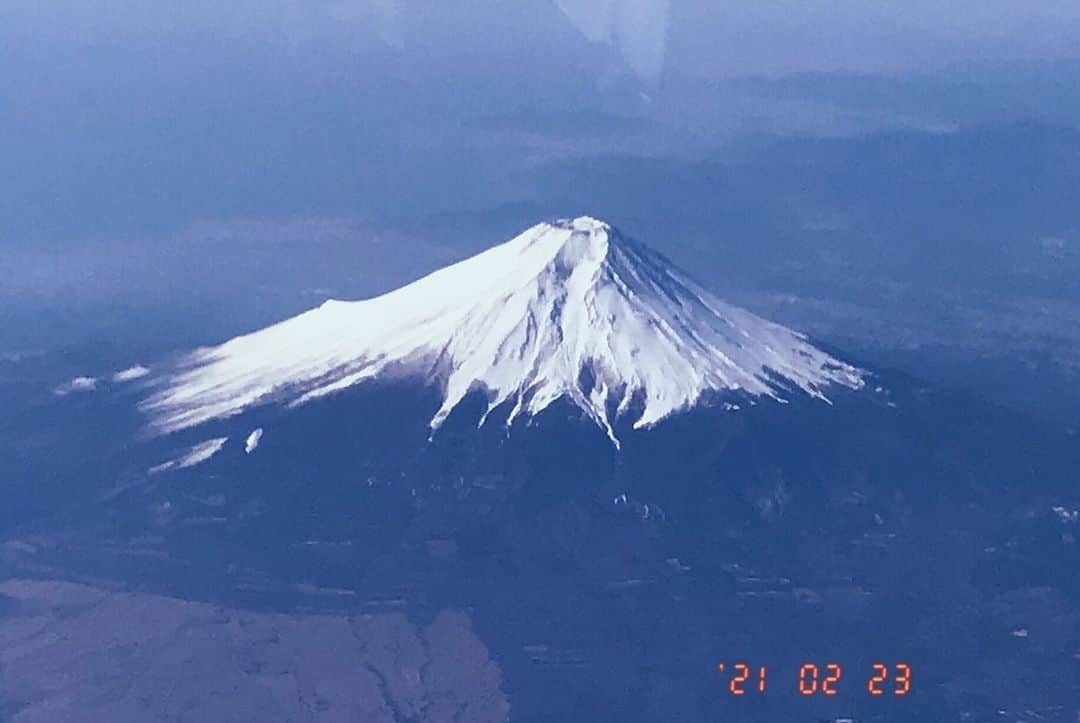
(402, 360)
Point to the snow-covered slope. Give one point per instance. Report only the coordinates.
(569, 309)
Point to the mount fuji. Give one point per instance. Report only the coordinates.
(570, 309)
(621, 478)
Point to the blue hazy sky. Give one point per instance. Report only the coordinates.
(125, 118)
(683, 36)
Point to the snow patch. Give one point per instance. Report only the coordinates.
(78, 384)
(196, 455)
(253, 439)
(130, 374)
(527, 321)
(1065, 514)
(15, 357)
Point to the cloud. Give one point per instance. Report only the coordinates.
(638, 29)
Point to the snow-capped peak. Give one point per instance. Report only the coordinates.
(569, 309)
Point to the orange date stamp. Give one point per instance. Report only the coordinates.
(813, 679)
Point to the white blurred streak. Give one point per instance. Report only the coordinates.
(641, 28)
(593, 18)
(637, 28)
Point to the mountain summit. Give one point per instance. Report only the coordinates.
(569, 309)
